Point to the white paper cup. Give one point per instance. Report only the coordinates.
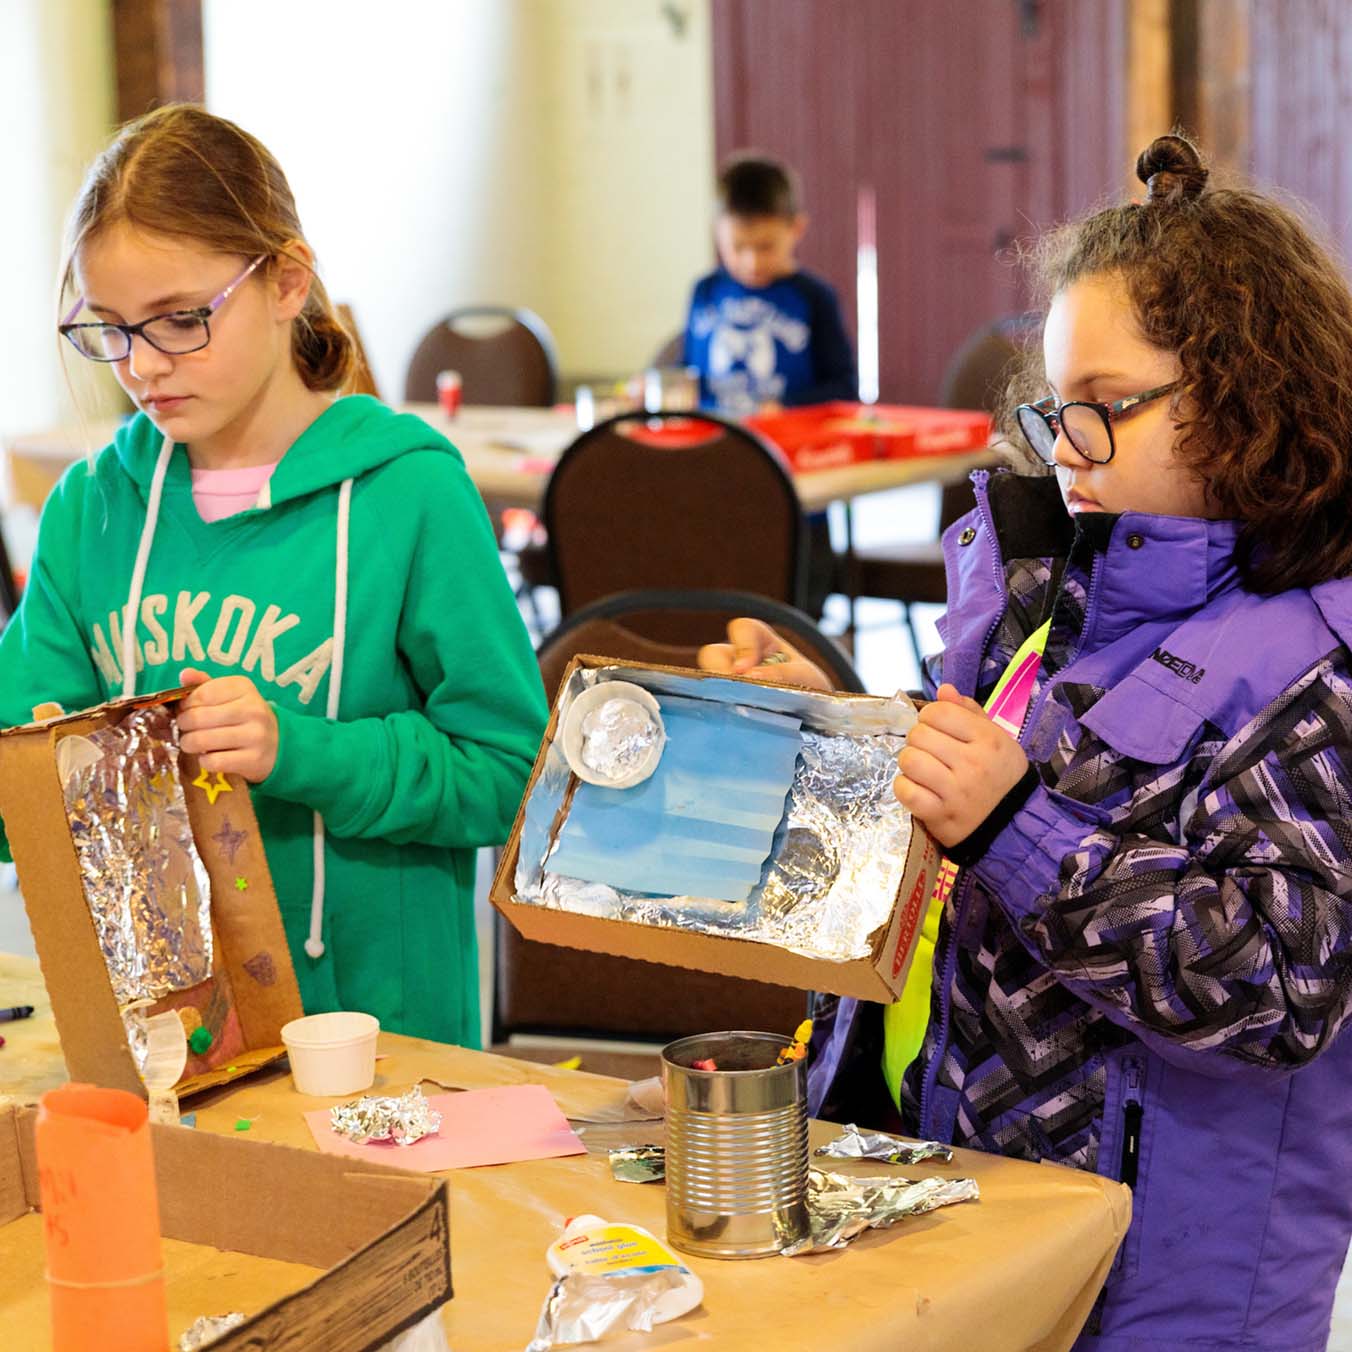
(332, 1054)
(570, 735)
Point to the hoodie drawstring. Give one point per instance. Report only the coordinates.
(314, 945)
(138, 572)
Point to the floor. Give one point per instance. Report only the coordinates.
(885, 661)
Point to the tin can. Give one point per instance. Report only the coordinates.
(737, 1145)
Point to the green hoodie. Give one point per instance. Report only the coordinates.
(441, 704)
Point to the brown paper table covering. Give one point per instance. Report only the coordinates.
(1017, 1270)
(508, 452)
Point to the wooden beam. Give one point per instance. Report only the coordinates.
(158, 46)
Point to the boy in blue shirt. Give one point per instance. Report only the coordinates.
(763, 333)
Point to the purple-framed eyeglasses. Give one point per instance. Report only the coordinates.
(175, 333)
(1088, 426)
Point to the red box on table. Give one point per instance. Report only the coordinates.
(827, 436)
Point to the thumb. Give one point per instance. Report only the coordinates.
(948, 694)
(751, 641)
(41, 712)
(191, 676)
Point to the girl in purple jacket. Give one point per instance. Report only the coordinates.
(1146, 961)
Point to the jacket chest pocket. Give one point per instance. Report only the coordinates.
(1137, 720)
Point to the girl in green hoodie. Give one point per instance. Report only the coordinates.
(320, 569)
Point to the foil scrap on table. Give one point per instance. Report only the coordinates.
(853, 1144)
(146, 885)
(840, 1207)
(201, 1333)
(583, 1307)
(838, 853)
(401, 1118)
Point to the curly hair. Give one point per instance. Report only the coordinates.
(1260, 316)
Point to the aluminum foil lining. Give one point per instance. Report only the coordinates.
(617, 737)
(204, 1331)
(143, 879)
(584, 1307)
(840, 1207)
(638, 1163)
(853, 1144)
(839, 854)
(403, 1119)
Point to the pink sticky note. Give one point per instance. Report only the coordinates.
(479, 1126)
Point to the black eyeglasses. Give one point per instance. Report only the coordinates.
(175, 334)
(1088, 426)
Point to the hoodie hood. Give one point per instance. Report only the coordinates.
(353, 436)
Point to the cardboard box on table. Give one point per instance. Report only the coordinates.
(879, 976)
(250, 949)
(382, 1238)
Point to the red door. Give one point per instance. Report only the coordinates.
(970, 123)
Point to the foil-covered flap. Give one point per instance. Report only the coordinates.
(144, 881)
(853, 1144)
(840, 1207)
(403, 1118)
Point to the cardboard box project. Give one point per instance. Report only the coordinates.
(899, 902)
(251, 990)
(380, 1237)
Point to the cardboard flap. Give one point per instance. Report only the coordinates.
(252, 957)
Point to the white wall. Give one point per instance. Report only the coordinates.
(57, 108)
(549, 153)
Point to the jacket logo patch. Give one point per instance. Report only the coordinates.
(1187, 670)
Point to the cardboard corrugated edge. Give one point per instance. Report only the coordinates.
(88, 1023)
(383, 1235)
(878, 977)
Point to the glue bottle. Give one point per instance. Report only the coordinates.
(610, 1249)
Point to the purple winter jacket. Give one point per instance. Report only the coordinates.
(1146, 971)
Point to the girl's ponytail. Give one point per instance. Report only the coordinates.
(320, 346)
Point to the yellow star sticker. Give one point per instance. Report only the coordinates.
(212, 791)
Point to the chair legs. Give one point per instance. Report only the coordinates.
(914, 633)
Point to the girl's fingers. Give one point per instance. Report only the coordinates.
(944, 748)
(717, 657)
(50, 709)
(948, 694)
(925, 770)
(190, 676)
(196, 717)
(953, 719)
(211, 739)
(754, 641)
(919, 801)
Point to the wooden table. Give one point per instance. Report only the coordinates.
(508, 451)
(1017, 1270)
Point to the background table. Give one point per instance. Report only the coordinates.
(1017, 1270)
(509, 453)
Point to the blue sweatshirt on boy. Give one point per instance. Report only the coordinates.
(784, 342)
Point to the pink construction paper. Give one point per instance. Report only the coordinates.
(478, 1126)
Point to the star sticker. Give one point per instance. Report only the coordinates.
(241, 884)
(230, 840)
(212, 791)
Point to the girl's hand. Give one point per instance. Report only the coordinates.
(228, 725)
(755, 650)
(956, 766)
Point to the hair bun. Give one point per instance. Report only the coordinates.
(1171, 169)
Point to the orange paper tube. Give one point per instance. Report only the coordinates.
(101, 1220)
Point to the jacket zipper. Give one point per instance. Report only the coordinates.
(1133, 1111)
(946, 950)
